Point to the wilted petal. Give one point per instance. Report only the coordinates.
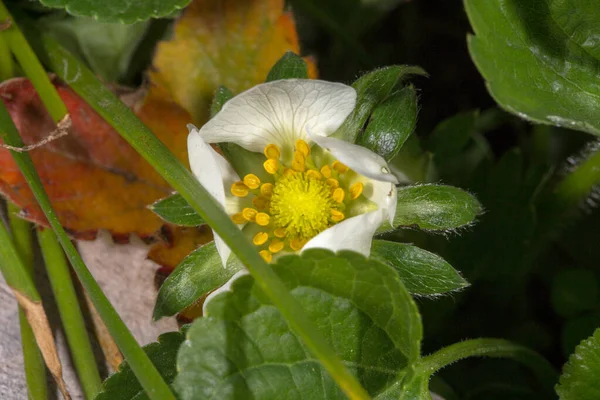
(354, 234)
(360, 159)
(278, 112)
(214, 173)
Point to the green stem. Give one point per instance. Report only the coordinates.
(31, 66)
(70, 313)
(141, 365)
(6, 63)
(496, 348)
(84, 83)
(35, 369)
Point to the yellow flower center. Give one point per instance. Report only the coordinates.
(302, 201)
(302, 204)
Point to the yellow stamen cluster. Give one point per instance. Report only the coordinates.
(302, 200)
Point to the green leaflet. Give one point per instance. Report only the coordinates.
(243, 348)
(534, 66)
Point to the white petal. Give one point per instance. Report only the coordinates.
(225, 288)
(214, 173)
(354, 234)
(278, 112)
(385, 195)
(360, 159)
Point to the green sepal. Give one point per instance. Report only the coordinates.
(176, 210)
(423, 273)
(372, 89)
(198, 274)
(391, 123)
(290, 66)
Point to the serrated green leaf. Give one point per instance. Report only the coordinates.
(245, 349)
(391, 123)
(123, 385)
(423, 273)
(579, 380)
(175, 210)
(289, 66)
(199, 273)
(435, 207)
(106, 47)
(372, 89)
(534, 68)
(125, 11)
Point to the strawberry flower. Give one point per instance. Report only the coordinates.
(309, 190)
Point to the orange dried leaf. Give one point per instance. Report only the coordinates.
(231, 42)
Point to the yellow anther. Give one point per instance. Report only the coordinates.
(266, 190)
(260, 202)
(298, 163)
(356, 190)
(280, 232)
(266, 255)
(276, 246)
(238, 218)
(333, 183)
(289, 172)
(260, 238)
(338, 195)
(239, 189)
(337, 216)
(272, 152)
(252, 181)
(339, 167)
(296, 244)
(263, 219)
(302, 147)
(314, 174)
(249, 214)
(326, 171)
(271, 166)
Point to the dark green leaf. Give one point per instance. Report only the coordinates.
(580, 21)
(534, 68)
(106, 47)
(423, 273)
(579, 380)
(175, 210)
(372, 89)
(289, 66)
(199, 273)
(391, 123)
(435, 207)
(222, 96)
(125, 11)
(123, 385)
(245, 349)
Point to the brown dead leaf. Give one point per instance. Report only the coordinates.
(230, 42)
(36, 316)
